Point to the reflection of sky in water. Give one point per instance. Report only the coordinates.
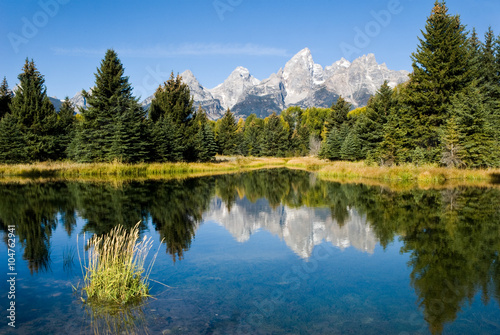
(253, 269)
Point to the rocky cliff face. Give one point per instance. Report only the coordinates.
(78, 101)
(301, 228)
(201, 96)
(234, 88)
(301, 82)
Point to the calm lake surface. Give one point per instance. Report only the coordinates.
(265, 252)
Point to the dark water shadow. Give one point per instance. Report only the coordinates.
(495, 178)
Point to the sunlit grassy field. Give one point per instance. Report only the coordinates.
(354, 171)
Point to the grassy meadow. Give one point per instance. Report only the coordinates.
(339, 171)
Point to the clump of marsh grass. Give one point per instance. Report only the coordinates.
(113, 269)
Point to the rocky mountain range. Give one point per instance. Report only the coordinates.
(301, 82)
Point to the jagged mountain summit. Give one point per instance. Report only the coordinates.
(234, 87)
(301, 82)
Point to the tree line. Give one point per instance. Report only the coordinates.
(114, 127)
(448, 113)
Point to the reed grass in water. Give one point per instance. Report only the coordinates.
(113, 268)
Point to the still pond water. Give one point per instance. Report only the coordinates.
(265, 252)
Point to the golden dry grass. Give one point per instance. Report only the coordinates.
(71, 169)
(354, 171)
(401, 173)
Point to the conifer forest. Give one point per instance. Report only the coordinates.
(447, 113)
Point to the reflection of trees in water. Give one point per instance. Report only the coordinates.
(452, 236)
(33, 209)
(104, 205)
(176, 209)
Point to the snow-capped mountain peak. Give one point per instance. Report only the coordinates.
(299, 76)
(301, 82)
(234, 87)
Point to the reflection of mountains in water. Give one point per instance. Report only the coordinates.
(301, 228)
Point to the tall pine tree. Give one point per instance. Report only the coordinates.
(66, 122)
(226, 134)
(113, 126)
(5, 98)
(205, 145)
(330, 148)
(478, 147)
(275, 138)
(351, 148)
(370, 125)
(488, 77)
(173, 102)
(253, 136)
(397, 144)
(12, 142)
(452, 149)
(35, 114)
(441, 69)
(167, 140)
(337, 117)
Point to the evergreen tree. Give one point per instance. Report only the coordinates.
(239, 137)
(475, 46)
(253, 136)
(330, 149)
(113, 125)
(205, 145)
(337, 117)
(5, 98)
(167, 140)
(36, 114)
(210, 143)
(66, 123)
(497, 60)
(477, 139)
(226, 135)
(488, 77)
(130, 140)
(441, 69)
(275, 137)
(397, 143)
(370, 125)
(12, 142)
(300, 141)
(351, 148)
(451, 155)
(418, 156)
(173, 98)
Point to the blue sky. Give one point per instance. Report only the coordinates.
(68, 38)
